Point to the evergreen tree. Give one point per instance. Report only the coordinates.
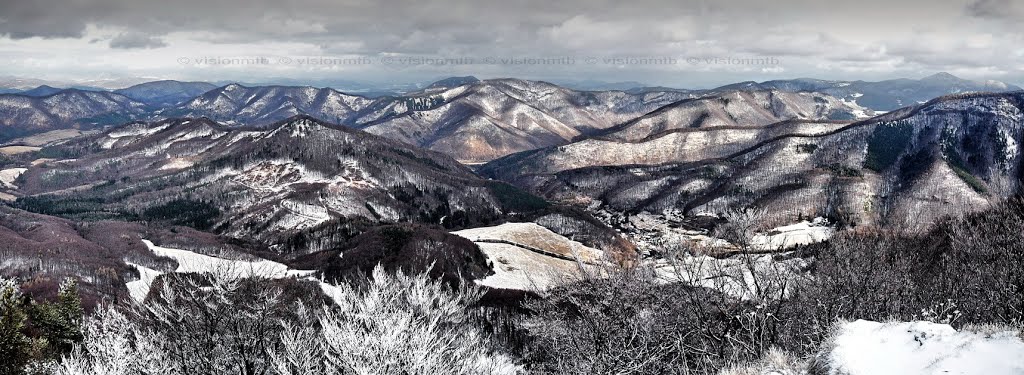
(14, 345)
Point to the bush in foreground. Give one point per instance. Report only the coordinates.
(215, 324)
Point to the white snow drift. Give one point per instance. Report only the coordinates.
(923, 348)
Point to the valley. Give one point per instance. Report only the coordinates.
(523, 189)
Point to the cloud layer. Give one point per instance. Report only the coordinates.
(597, 39)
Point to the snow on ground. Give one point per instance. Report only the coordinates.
(138, 289)
(534, 235)
(7, 177)
(855, 109)
(801, 233)
(14, 150)
(922, 348)
(176, 163)
(519, 268)
(189, 262)
(1011, 145)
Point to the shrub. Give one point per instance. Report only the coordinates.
(628, 322)
(218, 324)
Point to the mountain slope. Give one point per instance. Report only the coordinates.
(493, 118)
(235, 104)
(43, 90)
(735, 109)
(951, 155)
(298, 185)
(21, 115)
(689, 130)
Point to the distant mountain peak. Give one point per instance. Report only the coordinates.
(942, 76)
(41, 90)
(453, 82)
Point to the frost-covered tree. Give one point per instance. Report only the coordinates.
(394, 324)
(219, 324)
(196, 324)
(407, 324)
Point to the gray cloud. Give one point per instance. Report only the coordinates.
(1011, 10)
(136, 41)
(811, 37)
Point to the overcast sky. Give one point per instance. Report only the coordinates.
(672, 42)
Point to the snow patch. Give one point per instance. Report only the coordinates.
(176, 163)
(139, 289)
(527, 256)
(189, 262)
(802, 233)
(923, 348)
(7, 177)
(1011, 144)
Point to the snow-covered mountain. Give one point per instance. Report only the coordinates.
(165, 92)
(235, 104)
(474, 122)
(690, 130)
(952, 155)
(883, 95)
(492, 118)
(277, 185)
(20, 114)
(735, 109)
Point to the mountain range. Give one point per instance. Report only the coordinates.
(164, 93)
(307, 176)
(885, 95)
(72, 108)
(908, 168)
(478, 121)
(276, 184)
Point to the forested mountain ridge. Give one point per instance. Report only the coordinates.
(278, 184)
(951, 155)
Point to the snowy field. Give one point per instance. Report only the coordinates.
(802, 233)
(7, 177)
(923, 348)
(519, 268)
(189, 262)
